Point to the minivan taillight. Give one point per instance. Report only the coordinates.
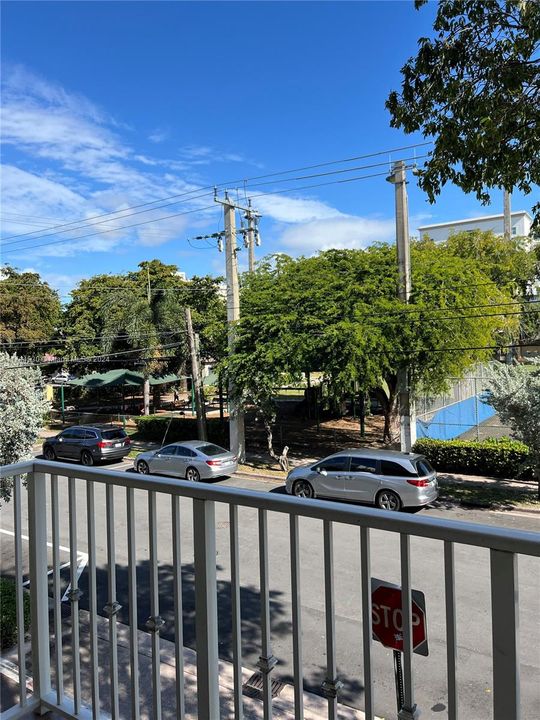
(424, 482)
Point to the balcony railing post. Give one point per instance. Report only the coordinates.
(505, 624)
(39, 595)
(206, 627)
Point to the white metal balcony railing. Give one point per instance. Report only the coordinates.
(93, 495)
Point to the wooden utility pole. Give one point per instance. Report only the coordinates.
(406, 405)
(196, 378)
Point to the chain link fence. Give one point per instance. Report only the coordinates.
(461, 413)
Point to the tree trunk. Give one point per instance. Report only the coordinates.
(146, 396)
(282, 459)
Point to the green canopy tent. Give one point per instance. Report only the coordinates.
(122, 378)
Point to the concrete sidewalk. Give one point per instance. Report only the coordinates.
(315, 707)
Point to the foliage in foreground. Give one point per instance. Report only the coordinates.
(475, 87)
(515, 395)
(8, 613)
(492, 457)
(22, 409)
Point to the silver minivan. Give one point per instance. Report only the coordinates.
(386, 478)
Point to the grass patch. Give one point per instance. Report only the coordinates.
(489, 497)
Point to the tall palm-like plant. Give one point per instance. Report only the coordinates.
(143, 318)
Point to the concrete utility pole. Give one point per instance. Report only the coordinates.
(236, 415)
(507, 215)
(406, 405)
(250, 238)
(196, 378)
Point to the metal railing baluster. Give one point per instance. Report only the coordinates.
(298, 662)
(367, 631)
(132, 595)
(57, 599)
(236, 612)
(206, 627)
(178, 609)
(331, 686)
(74, 594)
(451, 642)
(113, 606)
(92, 597)
(154, 622)
(408, 711)
(19, 594)
(504, 629)
(39, 597)
(267, 661)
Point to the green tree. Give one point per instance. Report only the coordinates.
(30, 308)
(475, 88)
(515, 395)
(338, 313)
(22, 409)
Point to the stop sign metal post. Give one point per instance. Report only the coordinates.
(387, 625)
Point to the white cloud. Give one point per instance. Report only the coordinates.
(294, 210)
(337, 232)
(158, 135)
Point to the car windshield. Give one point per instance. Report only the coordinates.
(113, 434)
(424, 467)
(211, 450)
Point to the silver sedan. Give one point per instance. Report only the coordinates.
(386, 478)
(193, 460)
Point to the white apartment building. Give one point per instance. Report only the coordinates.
(521, 226)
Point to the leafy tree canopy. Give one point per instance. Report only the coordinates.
(30, 308)
(475, 88)
(338, 313)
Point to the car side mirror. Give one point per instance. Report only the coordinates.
(321, 471)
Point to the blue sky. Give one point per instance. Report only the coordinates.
(109, 105)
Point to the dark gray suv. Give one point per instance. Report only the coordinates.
(88, 444)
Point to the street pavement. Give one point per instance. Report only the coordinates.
(472, 591)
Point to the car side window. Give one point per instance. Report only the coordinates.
(78, 434)
(394, 469)
(182, 451)
(90, 435)
(67, 435)
(359, 464)
(169, 450)
(336, 464)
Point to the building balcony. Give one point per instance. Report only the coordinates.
(158, 598)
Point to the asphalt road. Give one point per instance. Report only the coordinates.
(472, 588)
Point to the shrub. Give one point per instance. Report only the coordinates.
(153, 427)
(499, 457)
(8, 613)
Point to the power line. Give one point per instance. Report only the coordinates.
(83, 338)
(86, 225)
(90, 358)
(229, 183)
(102, 232)
(187, 212)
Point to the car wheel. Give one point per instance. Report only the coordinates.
(142, 467)
(192, 474)
(388, 500)
(86, 458)
(302, 488)
(49, 453)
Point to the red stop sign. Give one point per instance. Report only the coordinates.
(387, 618)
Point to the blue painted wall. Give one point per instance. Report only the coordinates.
(451, 421)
